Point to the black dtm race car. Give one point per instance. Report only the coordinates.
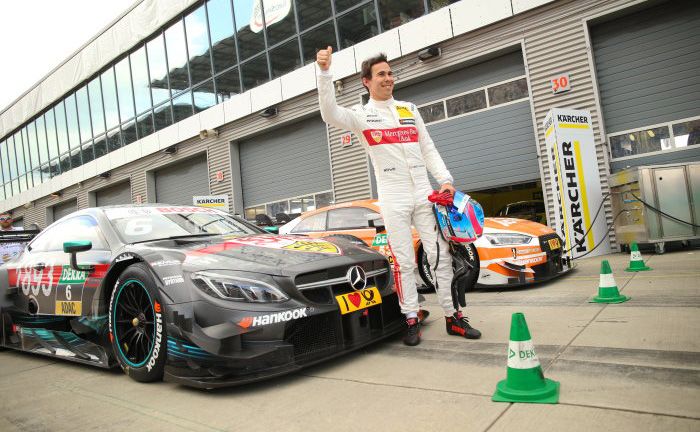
(192, 295)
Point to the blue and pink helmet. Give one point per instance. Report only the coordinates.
(460, 218)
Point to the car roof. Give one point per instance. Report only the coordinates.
(368, 203)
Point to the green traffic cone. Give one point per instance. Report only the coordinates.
(636, 261)
(607, 288)
(524, 381)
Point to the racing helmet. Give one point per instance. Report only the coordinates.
(462, 221)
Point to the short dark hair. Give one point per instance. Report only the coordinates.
(367, 65)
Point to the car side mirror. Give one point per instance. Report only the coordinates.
(72, 248)
(376, 221)
(272, 229)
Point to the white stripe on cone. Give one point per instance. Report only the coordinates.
(521, 355)
(636, 256)
(607, 281)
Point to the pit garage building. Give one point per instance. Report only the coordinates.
(184, 98)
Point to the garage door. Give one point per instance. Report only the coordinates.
(289, 162)
(481, 122)
(178, 183)
(117, 194)
(647, 67)
(63, 209)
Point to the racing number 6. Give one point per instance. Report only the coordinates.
(68, 295)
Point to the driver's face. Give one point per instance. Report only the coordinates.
(381, 85)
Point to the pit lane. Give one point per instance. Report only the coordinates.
(631, 366)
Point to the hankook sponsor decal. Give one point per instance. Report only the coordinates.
(273, 318)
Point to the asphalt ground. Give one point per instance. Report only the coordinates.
(633, 366)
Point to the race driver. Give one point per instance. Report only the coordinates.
(402, 153)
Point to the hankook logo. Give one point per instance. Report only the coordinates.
(357, 278)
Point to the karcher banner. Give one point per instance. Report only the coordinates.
(576, 181)
(219, 202)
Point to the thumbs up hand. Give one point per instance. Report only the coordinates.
(323, 58)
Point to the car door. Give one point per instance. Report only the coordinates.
(46, 284)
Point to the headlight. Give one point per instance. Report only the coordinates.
(237, 289)
(502, 239)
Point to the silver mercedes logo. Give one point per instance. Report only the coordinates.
(357, 278)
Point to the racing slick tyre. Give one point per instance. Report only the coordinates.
(426, 273)
(137, 325)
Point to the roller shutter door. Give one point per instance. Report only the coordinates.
(488, 148)
(647, 67)
(178, 183)
(289, 162)
(117, 194)
(63, 209)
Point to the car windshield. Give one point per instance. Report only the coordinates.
(139, 224)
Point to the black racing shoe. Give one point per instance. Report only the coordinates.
(458, 325)
(412, 337)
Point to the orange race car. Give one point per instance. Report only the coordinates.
(511, 252)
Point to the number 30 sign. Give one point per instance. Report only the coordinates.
(561, 84)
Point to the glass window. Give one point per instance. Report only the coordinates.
(439, 4)
(114, 140)
(273, 209)
(198, 45)
(349, 218)
(324, 199)
(285, 58)
(341, 5)
(222, 36)
(162, 116)
(312, 12)
(124, 91)
(432, 112)
(61, 128)
(41, 136)
(145, 125)
(645, 141)
(204, 96)
(279, 21)
(129, 132)
(251, 212)
(397, 12)
(50, 120)
(72, 121)
(87, 152)
(12, 157)
(5, 162)
(249, 27)
(358, 25)
(96, 110)
(27, 152)
(100, 146)
(255, 72)
(83, 116)
(158, 70)
(316, 39)
(54, 168)
(139, 74)
(228, 84)
(64, 162)
(177, 58)
(109, 95)
(19, 151)
(466, 103)
(182, 107)
(33, 145)
(75, 158)
(507, 92)
(316, 222)
(686, 133)
(80, 228)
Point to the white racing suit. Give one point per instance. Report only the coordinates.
(394, 135)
